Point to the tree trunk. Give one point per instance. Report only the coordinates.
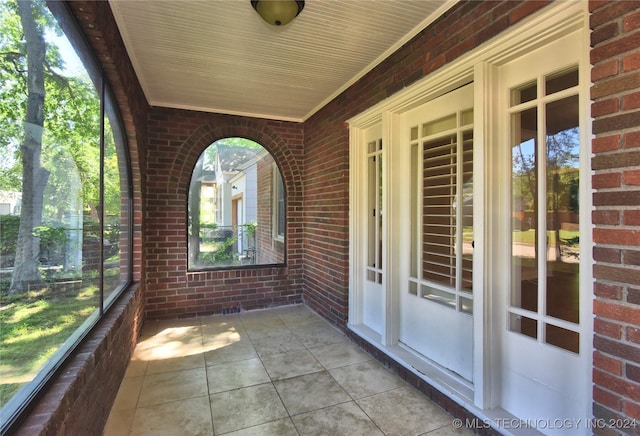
(34, 176)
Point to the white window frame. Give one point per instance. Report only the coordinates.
(278, 196)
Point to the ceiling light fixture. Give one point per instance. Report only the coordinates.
(278, 12)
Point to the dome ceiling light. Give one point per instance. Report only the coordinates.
(278, 12)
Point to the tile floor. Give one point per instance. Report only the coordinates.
(278, 372)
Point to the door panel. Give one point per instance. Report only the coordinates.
(543, 364)
(436, 303)
(373, 295)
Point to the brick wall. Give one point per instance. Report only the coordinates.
(615, 57)
(326, 190)
(176, 140)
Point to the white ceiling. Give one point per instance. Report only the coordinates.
(220, 56)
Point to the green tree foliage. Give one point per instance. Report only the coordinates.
(69, 151)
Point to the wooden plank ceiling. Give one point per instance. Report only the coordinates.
(220, 56)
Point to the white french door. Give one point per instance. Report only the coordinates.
(436, 295)
(497, 314)
(369, 277)
(544, 345)
(373, 297)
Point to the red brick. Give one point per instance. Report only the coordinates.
(617, 312)
(632, 139)
(622, 121)
(609, 11)
(607, 328)
(625, 197)
(617, 274)
(606, 398)
(631, 410)
(633, 334)
(631, 62)
(608, 255)
(604, 107)
(606, 217)
(606, 143)
(632, 372)
(606, 363)
(631, 101)
(610, 291)
(526, 9)
(633, 295)
(604, 33)
(606, 180)
(631, 257)
(631, 217)
(616, 84)
(616, 236)
(632, 177)
(631, 22)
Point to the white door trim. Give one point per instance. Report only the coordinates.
(556, 20)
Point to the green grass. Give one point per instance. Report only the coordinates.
(527, 236)
(33, 326)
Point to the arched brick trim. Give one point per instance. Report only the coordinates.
(207, 134)
(177, 138)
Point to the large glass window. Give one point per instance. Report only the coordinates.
(65, 239)
(236, 207)
(545, 262)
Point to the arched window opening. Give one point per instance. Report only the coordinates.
(65, 198)
(236, 207)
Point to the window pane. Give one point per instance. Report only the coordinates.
(237, 207)
(524, 179)
(563, 225)
(524, 93)
(116, 236)
(563, 338)
(467, 212)
(437, 126)
(439, 226)
(560, 81)
(522, 324)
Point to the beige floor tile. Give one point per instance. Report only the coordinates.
(404, 411)
(119, 422)
(223, 332)
(232, 352)
(241, 370)
(365, 379)
(310, 392)
(172, 386)
(449, 430)
(295, 316)
(291, 364)
(267, 346)
(136, 368)
(234, 375)
(176, 364)
(128, 394)
(246, 407)
(262, 331)
(282, 427)
(185, 417)
(315, 335)
(260, 319)
(178, 342)
(340, 354)
(342, 419)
